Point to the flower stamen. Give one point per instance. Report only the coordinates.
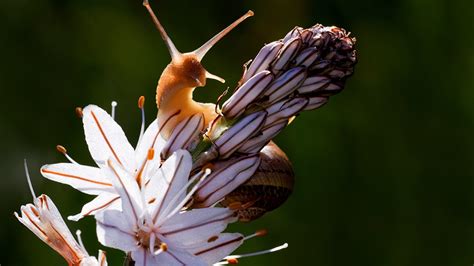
(63, 150)
(114, 105)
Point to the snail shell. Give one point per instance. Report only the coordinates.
(267, 189)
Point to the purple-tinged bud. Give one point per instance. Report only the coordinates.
(295, 32)
(246, 94)
(315, 102)
(263, 59)
(286, 84)
(284, 111)
(234, 137)
(184, 134)
(307, 57)
(306, 35)
(255, 144)
(287, 53)
(225, 177)
(313, 84)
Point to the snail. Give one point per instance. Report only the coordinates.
(174, 92)
(267, 189)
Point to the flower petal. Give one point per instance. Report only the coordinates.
(212, 252)
(127, 187)
(143, 257)
(109, 201)
(113, 230)
(226, 176)
(150, 139)
(106, 138)
(90, 180)
(184, 134)
(167, 182)
(176, 256)
(197, 225)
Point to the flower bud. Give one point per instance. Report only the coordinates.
(286, 84)
(315, 102)
(263, 59)
(307, 57)
(184, 134)
(235, 136)
(255, 144)
(246, 94)
(225, 177)
(287, 53)
(284, 110)
(313, 84)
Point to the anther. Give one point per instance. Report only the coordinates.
(141, 102)
(151, 154)
(261, 232)
(232, 261)
(164, 247)
(212, 239)
(113, 104)
(141, 105)
(63, 150)
(79, 112)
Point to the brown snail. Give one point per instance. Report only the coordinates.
(267, 189)
(174, 92)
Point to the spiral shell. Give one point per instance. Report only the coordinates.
(267, 189)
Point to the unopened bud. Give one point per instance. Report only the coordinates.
(315, 102)
(313, 84)
(286, 84)
(235, 136)
(246, 94)
(263, 59)
(255, 144)
(287, 53)
(184, 134)
(227, 176)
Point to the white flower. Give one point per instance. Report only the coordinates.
(105, 139)
(152, 225)
(44, 220)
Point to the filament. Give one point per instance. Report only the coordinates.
(114, 104)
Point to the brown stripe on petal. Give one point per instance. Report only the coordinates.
(99, 126)
(75, 177)
(35, 224)
(219, 246)
(101, 206)
(182, 229)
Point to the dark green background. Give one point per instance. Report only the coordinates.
(384, 171)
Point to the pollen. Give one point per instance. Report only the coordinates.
(79, 112)
(232, 261)
(151, 154)
(164, 247)
(261, 232)
(61, 149)
(212, 239)
(141, 102)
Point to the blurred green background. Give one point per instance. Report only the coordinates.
(384, 171)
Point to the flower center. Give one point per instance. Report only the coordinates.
(143, 239)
